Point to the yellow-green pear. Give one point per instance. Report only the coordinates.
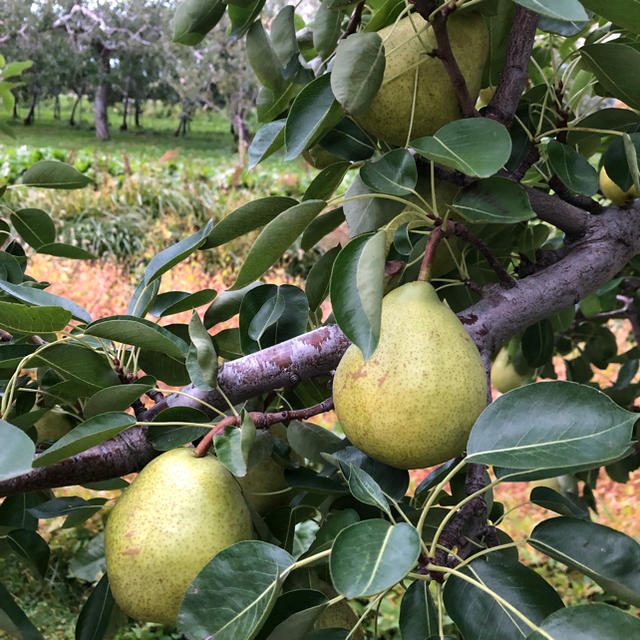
(505, 376)
(177, 514)
(413, 403)
(53, 425)
(612, 191)
(410, 69)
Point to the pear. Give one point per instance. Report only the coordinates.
(504, 374)
(407, 47)
(177, 514)
(53, 425)
(612, 191)
(413, 403)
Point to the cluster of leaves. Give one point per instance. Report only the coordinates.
(348, 519)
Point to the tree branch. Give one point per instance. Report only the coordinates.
(606, 245)
(354, 21)
(504, 103)
(560, 214)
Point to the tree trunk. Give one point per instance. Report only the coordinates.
(72, 117)
(29, 120)
(182, 126)
(56, 107)
(15, 114)
(100, 111)
(125, 105)
(137, 109)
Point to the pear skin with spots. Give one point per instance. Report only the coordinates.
(177, 514)
(413, 403)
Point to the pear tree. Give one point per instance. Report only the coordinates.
(470, 163)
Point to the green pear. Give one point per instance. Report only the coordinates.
(407, 47)
(177, 514)
(413, 403)
(53, 425)
(504, 374)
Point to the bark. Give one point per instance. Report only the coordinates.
(137, 109)
(72, 117)
(125, 105)
(31, 115)
(100, 110)
(56, 108)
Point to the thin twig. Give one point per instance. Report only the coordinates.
(354, 21)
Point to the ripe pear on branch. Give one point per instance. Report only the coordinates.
(413, 403)
(412, 71)
(612, 191)
(177, 514)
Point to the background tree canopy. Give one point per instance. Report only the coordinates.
(489, 147)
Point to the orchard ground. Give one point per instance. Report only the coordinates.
(151, 190)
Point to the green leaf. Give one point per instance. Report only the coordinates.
(336, 521)
(572, 169)
(395, 173)
(143, 298)
(31, 548)
(75, 508)
(18, 318)
(206, 358)
(294, 615)
(625, 13)
(95, 616)
(226, 305)
(41, 298)
(233, 446)
(164, 437)
(62, 250)
(168, 258)
(243, 17)
(348, 141)
(268, 314)
(267, 140)
(16, 453)
(249, 216)
(614, 65)
(357, 71)
(327, 181)
(494, 200)
(565, 505)
(35, 227)
(284, 41)
(357, 283)
(619, 162)
(319, 278)
(418, 617)
(538, 343)
(480, 617)
(568, 10)
(234, 593)
(593, 621)
(116, 398)
(52, 174)
(371, 556)
(15, 68)
(172, 302)
(138, 332)
(365, 489)
(321, 226)
(263, 58)
(195, 18)
(327, 28)
(551, 426)
(313, 112)
(87, 434)
(478, 147)
(276, 238)
(13, 619)
(311, 440)
(607, 556)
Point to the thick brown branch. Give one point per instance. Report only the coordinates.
(560, 214)
(504, 103)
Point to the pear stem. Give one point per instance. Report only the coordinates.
(430, 252)
(261, 421)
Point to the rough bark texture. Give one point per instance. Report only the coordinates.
(101, 100)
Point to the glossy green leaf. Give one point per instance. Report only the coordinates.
(62, 250)
(263, 58)
(243, 17)
(572, 169)
(18, 318)
(172, 302)
(138, 332)
(480, 617)
(559, 9)
(609, 557)
(195, 18)
(357, 71)
(206, 358)
(275, 239)
(95, 617)
(14, 620)
(294, 615)
(283, 39)
(326, 182)
(624, 13)
(619, 162)
(418, 617)
(565, 505)
(267, 140)
(538, 343)
(478, 147)
(116, 398)
(234, 444)
(395, 173)
(169, 436)
(86, 435)
(319, 278)
(365, 489)
(226, 305)
(321, 226)
(327, 28)
(588, 141)
(234, 593)
(311, 440)
(371, 556)
(313, 112)
(551, 426)
(75, 508)
(348, 141)
(41, 298)
(12, 354)
(594, 621)
(357, 283)
(143, 297)
(35, 226)
(31, 548)
(614, 65)
(336, 521)
(176, 253)
(308, 480)
(53, 174)
(16, 453)
(494, 200)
